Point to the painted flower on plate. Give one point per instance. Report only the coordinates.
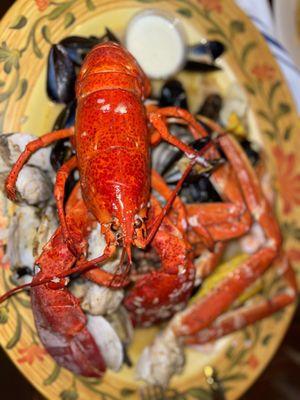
(288, 180)
(264, 72)
(42, 4)
(211, 5)
(31, 353)
(253, 361)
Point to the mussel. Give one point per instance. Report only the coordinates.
(61, 75)
(63, 59)
(251, 151)
(66, 118)
(173, 94)
(201, 56)
(208, 51)
(211, 106)
(197, 188)
(77, 47)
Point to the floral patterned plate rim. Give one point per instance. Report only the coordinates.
(27, 31)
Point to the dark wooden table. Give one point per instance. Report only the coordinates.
(280, 381)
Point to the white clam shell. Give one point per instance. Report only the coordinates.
(108, 341)
(48, 225)
(33, 185)
(21, 235)
(160, 361)
(101, 300)
(11, 145)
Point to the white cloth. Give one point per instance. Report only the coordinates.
(259, 11)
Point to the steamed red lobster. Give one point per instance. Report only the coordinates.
(112, 137)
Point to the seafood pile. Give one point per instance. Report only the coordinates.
(149, 199)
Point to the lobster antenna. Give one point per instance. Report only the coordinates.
(84, 267)
(123, 254)
(17, 289)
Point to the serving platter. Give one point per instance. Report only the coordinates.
(27, 31)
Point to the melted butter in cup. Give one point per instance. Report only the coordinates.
(157, 41)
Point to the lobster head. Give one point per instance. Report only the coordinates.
(126, 230)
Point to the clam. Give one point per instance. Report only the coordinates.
(21, 237)
(34, 186)
(47, 226)
(107, 340)
(99, 300)
(251, 150)
(12, 144)
(160, 361)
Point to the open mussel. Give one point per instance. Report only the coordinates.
(173, 94)
(63, 62)
(77, 47)
(201, 56)
(208, 51)
(197, 188)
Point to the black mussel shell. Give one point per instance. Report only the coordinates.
(249, 149)
(197, 186)
(195, 66)
(201, 56)
(110, 36)
(206, 52)
(66, 118)
(22, 271)
(61, 75)
(211, 106)
(216, 48)
(162, 153)
(77, 47)
(70, 184)
(173, 94)
(200, 191)
(167, 171)
(61, 152)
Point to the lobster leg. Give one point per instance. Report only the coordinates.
(222, 221)
(43, 141)
(196, 157)
(159, 218)
(247, 315)
(206, 310)
(59, 194)
(163, 189)
(158, 184)
(196, 129)
(158, 122)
